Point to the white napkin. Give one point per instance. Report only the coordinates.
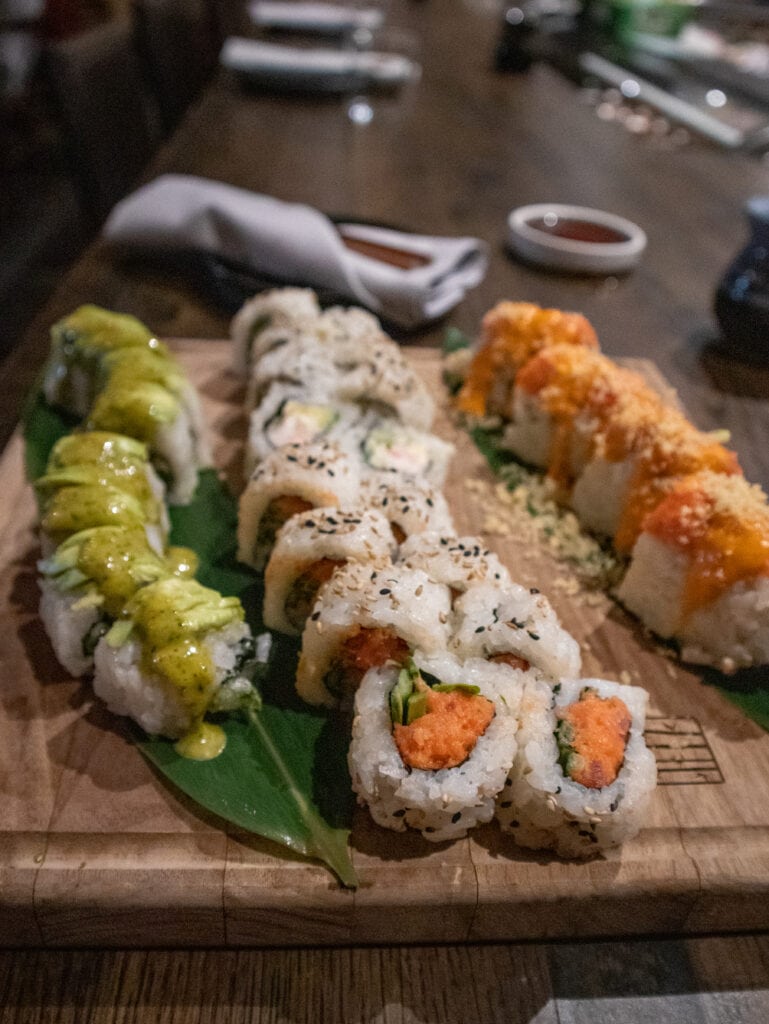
(321, 68)
(298, 244)
(314, 17)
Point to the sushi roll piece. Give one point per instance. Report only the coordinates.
(296, 414)
(150, 402)
(308, 549)
(699, 571)
(458, 562)
(511, 333)
(362, 618)
(388, 446)
(79, 343)
(583, 777)
(562, 398)
(178, 652)
(432, 749)
(351, 334)
(515, 626)
(411, 505)
(267, 320)
(292, 479)
(387, 383)
(641, 456)
(110, 491)
(301, 362)
(123, 455)
(88, 579)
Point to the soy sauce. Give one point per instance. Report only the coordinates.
(578, 230)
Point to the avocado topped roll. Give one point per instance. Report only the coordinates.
(515, 626)
(178, 652)
(293, 479)
(583, 777)
(79, 344)
(362, 618)
(111, 486)
(268, 320)
(411, 505)
(89, 578)
(432, 751)
(148, 398)
(308, 549)
(459, 562)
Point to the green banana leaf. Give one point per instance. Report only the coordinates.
(748, 689)
(283, 773)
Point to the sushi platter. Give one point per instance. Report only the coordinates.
(96, 849)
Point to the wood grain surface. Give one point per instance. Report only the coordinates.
(711, 980)
(97, 851)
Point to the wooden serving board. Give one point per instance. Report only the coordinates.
(95, 850)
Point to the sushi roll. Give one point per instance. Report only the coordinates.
(301, 361)
(79, 343)
(699, 571)
(123, 455)
(432, 751)
(308, 549)
(88, 579)
(267, 320)
(351, 335)
(511, 333)
(411, 505)
(387, 383)
(178, 652)
(296, 414)
(363, 618)
(148, 399)
(105, 492)
(293, 479)
(561, 399)
(388, 446)
(458, 562)
(513, 625)
(641, 457)
(583, 776)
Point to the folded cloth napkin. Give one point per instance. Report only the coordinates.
(314, 17)
(298, 244)
(321, 68)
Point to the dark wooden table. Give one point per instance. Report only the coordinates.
(452, 157)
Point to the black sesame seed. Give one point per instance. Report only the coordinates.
(506, 803)
(429, 829)
(455, 817)
(533, 590)
(534, 636)
(480, 629)
(384, 591)
(315, 616)
(399, 813)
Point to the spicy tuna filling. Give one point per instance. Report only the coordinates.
(592, 735)
(446, 734)
(363, 650)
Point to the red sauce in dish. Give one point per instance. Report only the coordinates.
(578, 230)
